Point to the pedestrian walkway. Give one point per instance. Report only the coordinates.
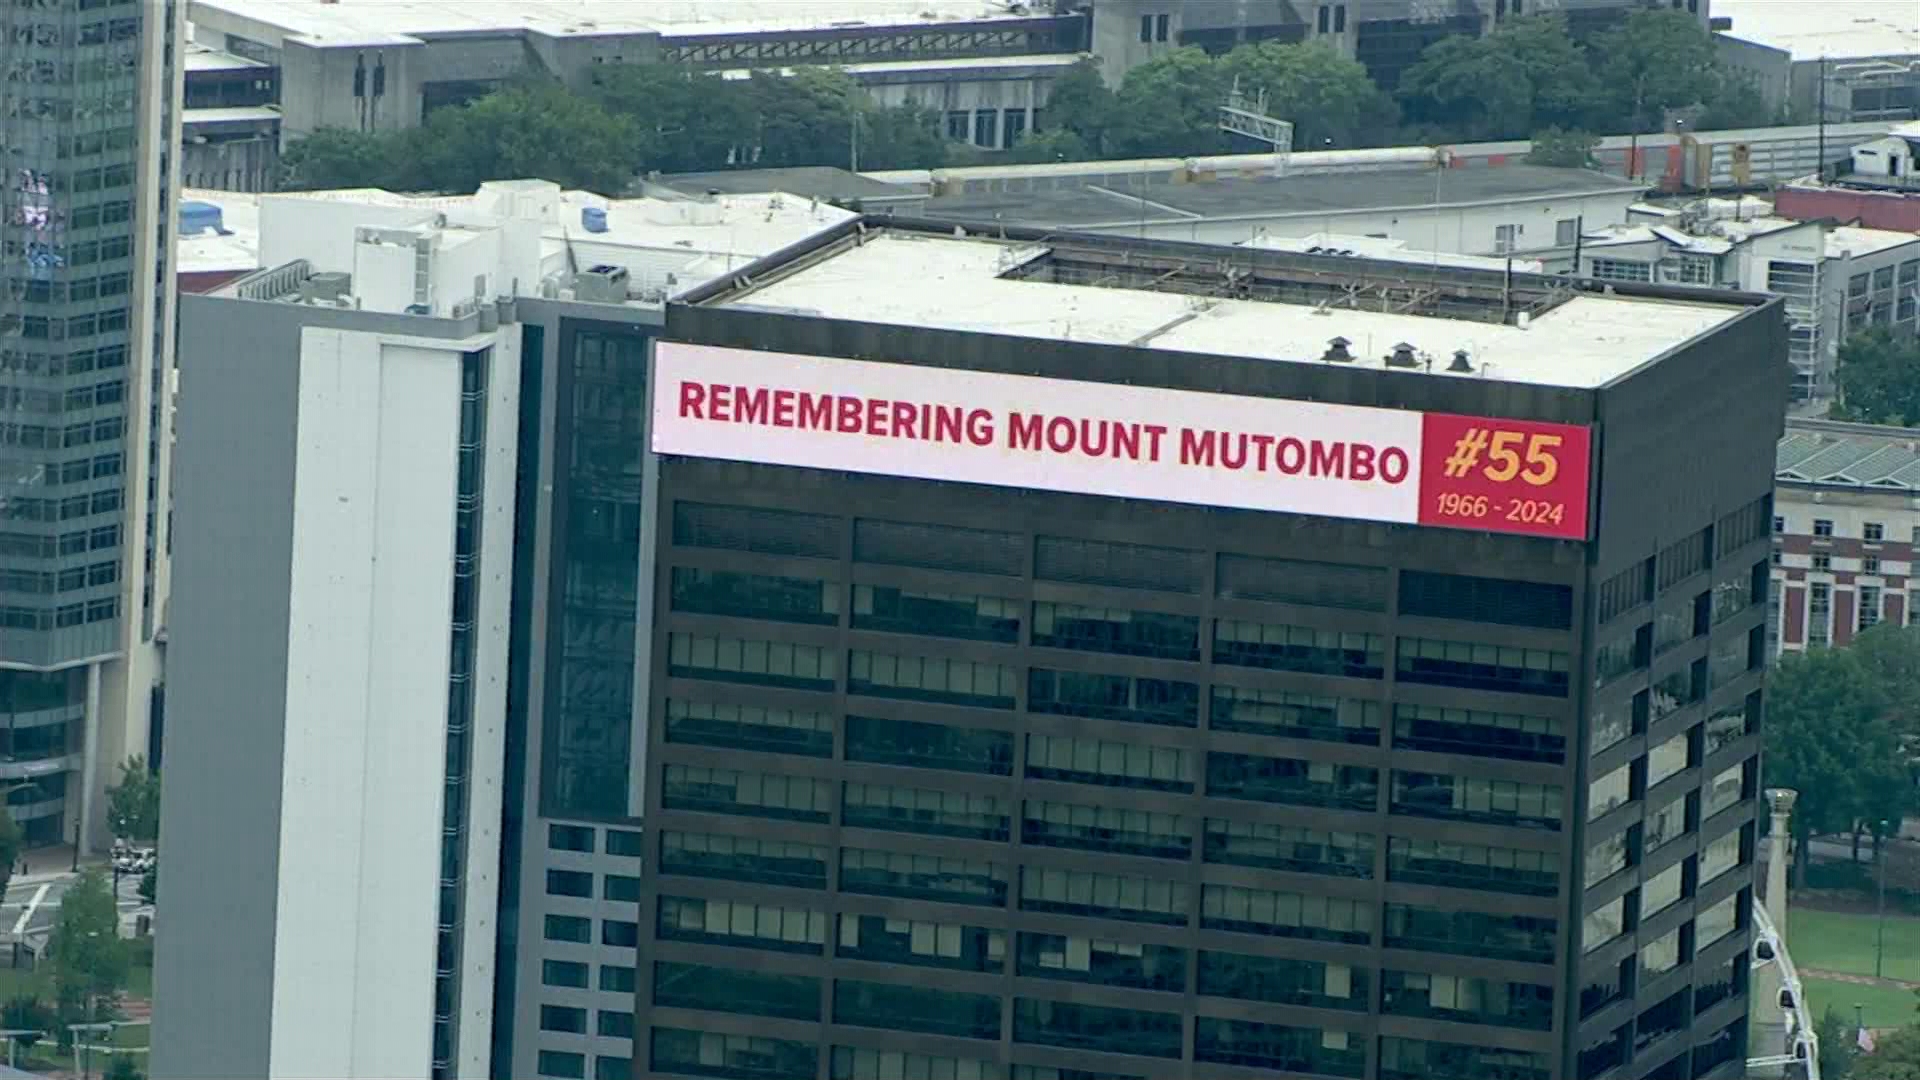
(1857, 980)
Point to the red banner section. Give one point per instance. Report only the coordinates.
(1512, 476)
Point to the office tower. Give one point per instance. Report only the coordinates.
(90, 128)
(1080, 656)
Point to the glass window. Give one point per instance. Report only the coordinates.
(722, 989)
(750, 727)
(1713, 987)
(1627, 652)
(1728, 788)
(1486, 600)
(1612, 790)
(1113, 697)
(1469, 798)
(617, 979)
(1471, 933)
(1472, 866)
(1293, 781)
(563, 1019)
(1271, 1046)
(767, 663)
(921, 943)
(1096, 1027)
(853, 1063)
(1109, 762)
(1290, 581)
(741, 858)
(1510, 736)
(916, 1008)
(619, 932)
(704, 1053)
(1607, 857)
(1285, 647)
(1129, 566)
(621, 887)
(1285, 914)
(1283, 981)
(960, 615)
(1662, 956)
(1720, 856)
(1116, 630)
(566, 973)
(1418, 1059)
(1106, 963)
(1603, 924)
(561, 1065)
(1295, 716)
(741, 528)
(1467, 1000)
(1473, 666)
(935, 679)
(1289, 847)
(624, 842)
(569, 883)
(922, 810)
(1671, 756)
(1106, 828)
(938, 547)
(922, 877)
(1716, 922)
(728, 791)
(1665, 824)
(1663, 890)
(1112, 896)
(929, 746)
(613, 1024)
(755, 596)
(737, 922)
(1732, 723)
(571, 928)
(570, 837)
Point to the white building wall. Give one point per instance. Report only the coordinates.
(371, 591)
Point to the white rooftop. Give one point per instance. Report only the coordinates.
(200, 57)
(1730, 223)
(953, 283)
(236, 249)
(1839, 29)
(1374, 247)
(349, 22)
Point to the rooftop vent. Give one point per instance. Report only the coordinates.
(593, 219)
(1402, 357)
(1461, 362)
(1337, 351)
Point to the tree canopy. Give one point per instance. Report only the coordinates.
(133, 804)
(1879, 378)
(90, 960)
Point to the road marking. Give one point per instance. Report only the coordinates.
(39, 894)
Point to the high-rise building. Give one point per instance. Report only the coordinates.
(1016, 656)
(91, 127)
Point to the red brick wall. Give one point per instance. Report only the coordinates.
(1793, 619)
(1843, 618)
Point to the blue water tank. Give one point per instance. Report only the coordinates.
(198, 217)
(593, 219)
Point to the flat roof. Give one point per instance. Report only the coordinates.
(238, 248)
(230, 114)
(1811, 29)
(1276, 196)
(924, 278)
(349, 22)
(200, 57)
(1338, 245)
(806, 181)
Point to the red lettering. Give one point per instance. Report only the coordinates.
(1126, 441)
(1290, 456)
(1261, 443)
(1060, 435)
(1360, 461)
(1233, 450)
(1024, 432)
(905, 419)
(783, 408)
(693, 400)
(946, 423)
(980, 427)
(876, 416)
(750, 405)
(1154, 432)
(1088, 428)
(1394, 465)
(816, 413)
(1196, 447)
(1327, 459)
(848, 421)
(718, 401)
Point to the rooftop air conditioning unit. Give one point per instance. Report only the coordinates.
(602, 285)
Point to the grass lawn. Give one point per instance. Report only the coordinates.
(1837, 942)
(1885, 1006)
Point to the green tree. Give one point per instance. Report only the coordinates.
(805, 118)
(25, 1012)
(1735, 102)
(1329, 98)
(149, 887)
(1170, 107)
(1080, 104)
(1827, 738)
(1470, 87)
(1655, 61)
(10, 844)
(1890, 656)
(336, 158)
(1565, 91)
(1879, 378)
(682, 120)
(1045, 147)
(900, 137)
(529, 129)
(1896, 1056)
(89, 959)
(123, 1067)
(1563, 149)
(1835, 1034)
(133, 805)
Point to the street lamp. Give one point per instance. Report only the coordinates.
(1880, 927)
(1859, 1021)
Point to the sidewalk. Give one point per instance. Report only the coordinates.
(55, 864)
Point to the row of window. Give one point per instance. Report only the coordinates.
(1637, 584)
(1131, 898)
(981, 684)
(561, 837)
(1289, 781)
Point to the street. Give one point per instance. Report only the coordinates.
(32, 904)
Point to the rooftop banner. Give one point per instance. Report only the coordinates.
(1133, 442)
